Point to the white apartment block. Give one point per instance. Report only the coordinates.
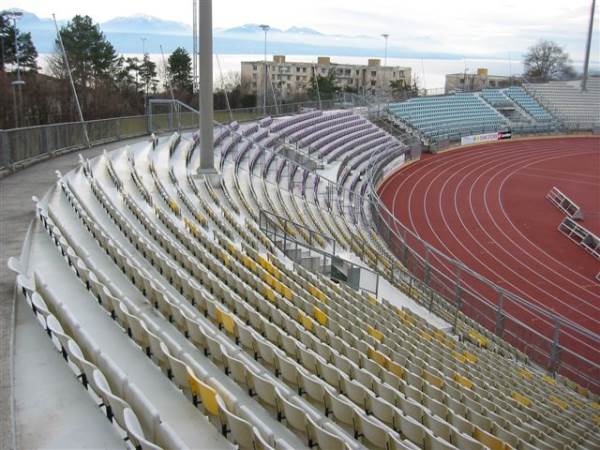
(292, 79)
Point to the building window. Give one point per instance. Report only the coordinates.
(304, 69)
(401, 73)
(373, 73)
(254, 67)
(297, 69)
(254, 84)
(373, 82)
(492, 83)
(358, 72)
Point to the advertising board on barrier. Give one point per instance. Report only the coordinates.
(486, 137)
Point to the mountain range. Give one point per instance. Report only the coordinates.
(126, 34)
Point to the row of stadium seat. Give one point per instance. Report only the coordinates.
(173, 273)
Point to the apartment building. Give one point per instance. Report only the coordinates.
(290, 79)
(462, 81)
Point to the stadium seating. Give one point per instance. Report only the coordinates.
(196, 331)
(525, 101)
(566, 101)
(496, 98)
(441, 117)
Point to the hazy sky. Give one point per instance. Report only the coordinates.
(458, 26)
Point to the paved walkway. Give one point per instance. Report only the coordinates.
(16, 213)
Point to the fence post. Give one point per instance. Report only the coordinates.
(500, 315)
(458, 305)
(5, 158)
(427, 273)
(555, 351)
(44, 141)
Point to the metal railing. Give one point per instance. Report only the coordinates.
(500, 311)
(18, 145)
(307, 255)
(436, 274)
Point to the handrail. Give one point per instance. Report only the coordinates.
(396, 229)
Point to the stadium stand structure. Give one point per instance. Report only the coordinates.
(440, 117)
(533, 108)
(565, 100)
(192, 328)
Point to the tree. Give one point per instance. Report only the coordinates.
(147, 73)
(324, 87)
(547, 60)
(92, 58)
(180, 68)
(27, 52)
(400, 89)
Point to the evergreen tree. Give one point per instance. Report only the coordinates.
(323, 86)
(147, 74)
(92, 58)
(27, 52)
(180, 68)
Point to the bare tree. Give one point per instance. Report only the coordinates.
(546, 61)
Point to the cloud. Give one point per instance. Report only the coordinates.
(471, 27)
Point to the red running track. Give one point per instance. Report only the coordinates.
(485, 206)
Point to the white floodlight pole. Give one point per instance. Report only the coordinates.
(83, 126)
(205, 92)
(16, 84)
(385, 36)
(194, 45)
(588, 47)
(146, 86)
(265, 28)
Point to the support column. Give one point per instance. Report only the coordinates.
(205, 91)
(588, 46)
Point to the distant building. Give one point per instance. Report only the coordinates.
(292, 79)
(456, 82)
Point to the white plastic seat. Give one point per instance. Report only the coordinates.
(288, 370)
(356, 392)
(325, 439)
(412, 429)
(371, 431)
(135, 433)
(342, 410)
(266, 352)
(466, 442)
(330, 374)
(115, 406)
(383, 410)
(294, 416)
(40, 308)
(241, 431)
(178, 371)
(313, 388)
(264, 389)
(437, 427)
